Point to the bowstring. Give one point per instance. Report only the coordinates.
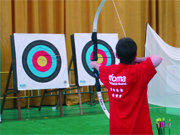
(119, 18)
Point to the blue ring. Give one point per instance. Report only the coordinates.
(101, 47)
(30, 59)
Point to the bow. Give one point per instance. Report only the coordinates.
(95, 58)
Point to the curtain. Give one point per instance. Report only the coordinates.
(163, 90)
(76, 16)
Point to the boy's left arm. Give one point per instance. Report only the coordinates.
(103, 71)
(95, 64)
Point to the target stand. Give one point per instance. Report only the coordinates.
(8, 91)
(39, 61)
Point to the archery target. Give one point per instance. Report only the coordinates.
(84, 53)
(104, 52)
(41, 61)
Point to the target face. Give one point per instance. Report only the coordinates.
(41, 61)
(82, 47)
(105, 55)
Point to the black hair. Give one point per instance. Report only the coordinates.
(126, 50)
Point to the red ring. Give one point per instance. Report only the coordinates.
(103, 54)
(37, 66)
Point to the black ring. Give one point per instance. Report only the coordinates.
(85, 49)
(26, 68)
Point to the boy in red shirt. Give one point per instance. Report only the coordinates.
(127, 89)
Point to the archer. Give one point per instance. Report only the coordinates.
(129, 110)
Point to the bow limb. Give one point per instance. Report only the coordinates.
(95, 58)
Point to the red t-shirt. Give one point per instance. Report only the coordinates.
(127, 90)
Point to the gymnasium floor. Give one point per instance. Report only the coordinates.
(93, 122)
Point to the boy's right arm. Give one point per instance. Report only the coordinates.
(156, 60)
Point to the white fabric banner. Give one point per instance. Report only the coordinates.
(164, 88)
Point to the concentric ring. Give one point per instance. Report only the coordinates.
(33, 57)
(41, 57)
(104, 50)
